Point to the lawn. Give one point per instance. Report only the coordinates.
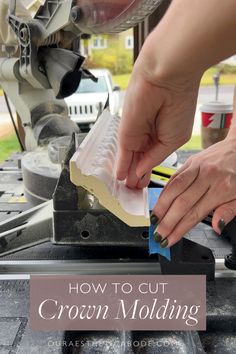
(8, 146)
(225, 79)
(121, 80)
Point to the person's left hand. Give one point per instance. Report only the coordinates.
(205, 183)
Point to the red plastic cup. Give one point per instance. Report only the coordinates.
(216, 120)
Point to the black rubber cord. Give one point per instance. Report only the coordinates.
(13, 122)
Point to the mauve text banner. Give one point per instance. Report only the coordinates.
(118, 302)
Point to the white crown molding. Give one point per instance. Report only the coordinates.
(93, 167)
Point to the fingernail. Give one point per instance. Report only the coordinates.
(143, 176)
(164, 243)
(154, 219)
(221, 225)
(157, 237)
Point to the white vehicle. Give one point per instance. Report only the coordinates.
(91, 97)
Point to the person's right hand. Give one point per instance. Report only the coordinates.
(157, 119)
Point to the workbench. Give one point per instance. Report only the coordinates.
(46, 258)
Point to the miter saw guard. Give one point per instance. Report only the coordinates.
(112, 16)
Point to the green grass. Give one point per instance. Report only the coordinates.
(193, 144)
(8, 146)
(225, 79)
(122, 80)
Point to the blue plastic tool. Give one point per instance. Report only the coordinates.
(154, 247)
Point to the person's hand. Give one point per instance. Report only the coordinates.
(205, 183)
(157, 119)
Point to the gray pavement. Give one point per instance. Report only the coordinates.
(207, 93)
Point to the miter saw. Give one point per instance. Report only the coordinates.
(40, 68)
(49, 68)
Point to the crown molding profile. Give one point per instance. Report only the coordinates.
(93, 168)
